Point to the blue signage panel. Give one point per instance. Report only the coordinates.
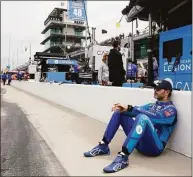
(76, 10)
(179, 73)
(61, 62)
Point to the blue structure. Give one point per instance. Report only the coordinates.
(173, 43)
(132, 85)
(56, 76)
(59, 76)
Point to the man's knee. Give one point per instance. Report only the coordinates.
(117, 113)
(142, 118)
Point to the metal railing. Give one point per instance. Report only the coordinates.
(61, 22)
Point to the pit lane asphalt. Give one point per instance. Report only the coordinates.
(23, 151)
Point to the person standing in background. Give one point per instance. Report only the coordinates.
(132, 70)
(115, 64)
(19, 76)
(9, 78)
(103, 73)
(4, 78)
(155, 69)
(76, 71)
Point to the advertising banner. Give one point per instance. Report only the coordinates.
(61, 62)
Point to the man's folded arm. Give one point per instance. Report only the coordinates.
(164, 116)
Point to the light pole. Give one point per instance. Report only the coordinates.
(26, 47)
(17, 57)
(93, 35)
(86, 43)
(150, 61)
(64, 51)
(13, 61)
(65, 33)
(9, 50)
(30, 62)
(30, 52)
(132, 45)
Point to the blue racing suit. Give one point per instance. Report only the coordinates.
(9, 79)
(147, 127)
(4, 76)
(132, 71)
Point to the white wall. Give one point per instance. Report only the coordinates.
(98, 51)
(96, 102)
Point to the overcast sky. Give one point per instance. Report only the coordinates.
(23, 21)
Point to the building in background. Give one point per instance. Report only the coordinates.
(62, 35)
(140, 45)
(140, 40)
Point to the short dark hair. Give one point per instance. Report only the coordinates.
(115, 44)
(170, 94)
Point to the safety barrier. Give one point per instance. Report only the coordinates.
(96, 102)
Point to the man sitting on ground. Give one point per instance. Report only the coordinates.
(148, 132)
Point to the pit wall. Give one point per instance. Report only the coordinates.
(96, 102)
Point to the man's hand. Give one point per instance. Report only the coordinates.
(118, 106)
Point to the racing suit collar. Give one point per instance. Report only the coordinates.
(163, 102)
